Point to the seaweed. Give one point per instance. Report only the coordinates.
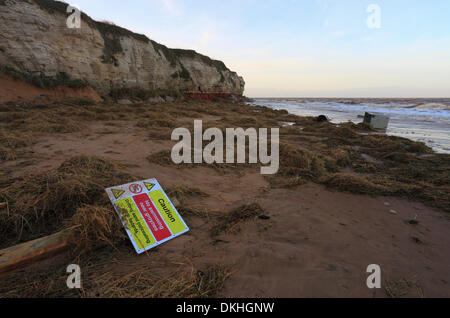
(39, 204)
(236, 216)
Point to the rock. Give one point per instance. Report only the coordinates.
(286, 124)
(393, 212)
(322, 119)
(124, 102)
(39, 43)
(234, 99)
(371, 159)
(331, 268)
(387, 204)
(155, 100)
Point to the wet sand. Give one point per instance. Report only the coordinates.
(424, 120)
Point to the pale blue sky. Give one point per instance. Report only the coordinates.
(296, 48)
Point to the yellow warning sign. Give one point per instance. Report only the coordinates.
(117, 193)
(135, 223)
(149, 217)
(149, 186)
(165, 209)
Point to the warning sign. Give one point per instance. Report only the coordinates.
(149, 186)
(117, 193)
(147, 214)
(135, 188)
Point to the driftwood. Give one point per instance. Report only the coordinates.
(28, 253)
(19, 256)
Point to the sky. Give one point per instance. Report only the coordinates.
(296, 48)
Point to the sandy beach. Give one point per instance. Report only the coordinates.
(169, 149)
(309, 231)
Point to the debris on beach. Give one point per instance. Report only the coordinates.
(322, 119)
(39, 204)
(377, 121)
(72, 196)
(413, 222)
(230, 220)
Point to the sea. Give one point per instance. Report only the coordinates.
(425, 120)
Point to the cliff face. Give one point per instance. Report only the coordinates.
(34, 39)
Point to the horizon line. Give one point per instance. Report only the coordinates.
(354, 97)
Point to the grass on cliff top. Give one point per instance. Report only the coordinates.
(53, 6)
(111, 33)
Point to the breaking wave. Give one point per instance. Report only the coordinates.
(430, 106)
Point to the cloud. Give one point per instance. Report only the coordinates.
(205, 38)
(339, 33)
(171, 7)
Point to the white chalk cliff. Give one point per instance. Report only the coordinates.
(35, 39)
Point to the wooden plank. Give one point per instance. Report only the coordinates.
(27, 253)
(24, 254)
